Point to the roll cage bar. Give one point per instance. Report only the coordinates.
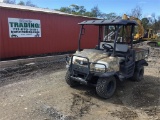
(102, 23)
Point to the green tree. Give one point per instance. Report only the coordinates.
(9, 1)
(136, 12)
(65, 9)
(78, 10)
(74, 8)
(21, 3)
(154, 24)
(82, 10)
(29, 3)
(145, 23)
(89, 14)
(110, 16)
(95, 12)
(158, 23)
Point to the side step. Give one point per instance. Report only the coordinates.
(79, 80)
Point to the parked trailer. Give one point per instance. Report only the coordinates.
(49, 31)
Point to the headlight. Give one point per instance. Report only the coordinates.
(75, 58)
(101, 66)
(80, 60)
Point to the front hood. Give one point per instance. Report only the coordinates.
(92, 54)
(98, 56)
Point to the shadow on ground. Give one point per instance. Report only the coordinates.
(142, 94)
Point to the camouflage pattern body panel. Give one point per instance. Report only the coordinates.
(140, 53)
(95, 56)
(113, 63)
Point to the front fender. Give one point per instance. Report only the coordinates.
(107, 74)
(141, 63)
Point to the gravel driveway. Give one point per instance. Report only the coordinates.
(39, 92)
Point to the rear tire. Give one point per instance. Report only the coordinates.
(106, 87)
(138, 74)
(70, 81)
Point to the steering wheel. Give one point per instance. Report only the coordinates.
(107, 47)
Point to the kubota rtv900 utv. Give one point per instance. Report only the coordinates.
(113, 59)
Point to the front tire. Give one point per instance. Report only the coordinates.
(106, 87)
(70, 81)
(138, 74)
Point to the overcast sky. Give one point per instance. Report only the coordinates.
(118, 6)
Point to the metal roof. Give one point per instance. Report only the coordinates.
(108, 22)
(36, 9)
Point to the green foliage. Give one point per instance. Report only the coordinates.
(110, 16)
(73, 9)
(95, 11)
(153, 22)
(136, 12)
(29, 3)
(78, 10)
(9, 1)
(89, 14)
(145, 23)
(21, 3)
(65, 9)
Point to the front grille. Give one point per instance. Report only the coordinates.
(79, 74)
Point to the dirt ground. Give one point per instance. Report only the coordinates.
(39, 92)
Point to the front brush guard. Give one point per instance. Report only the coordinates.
(83, 69)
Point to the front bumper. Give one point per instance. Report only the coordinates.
(84, 70)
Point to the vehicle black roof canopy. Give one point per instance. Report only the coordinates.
(108, 22)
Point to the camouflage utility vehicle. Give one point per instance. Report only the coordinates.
(113, 58)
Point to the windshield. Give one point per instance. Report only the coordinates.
(118, 35)
(124, 33)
